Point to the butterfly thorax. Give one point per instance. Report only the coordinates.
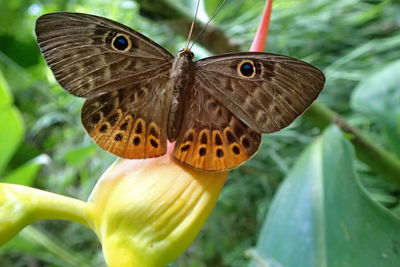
(180, 78)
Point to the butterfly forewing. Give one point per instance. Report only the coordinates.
(90, 55)
(267, 96)
(211, 137)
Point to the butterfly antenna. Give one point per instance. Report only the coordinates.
(192, 26)
(204, 27)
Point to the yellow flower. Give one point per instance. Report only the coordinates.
(145, 212)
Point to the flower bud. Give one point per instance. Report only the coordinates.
(147, 212)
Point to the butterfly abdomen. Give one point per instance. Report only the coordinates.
(180, 78)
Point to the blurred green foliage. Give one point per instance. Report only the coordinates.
(355, 42)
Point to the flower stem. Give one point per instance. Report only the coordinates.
(260, 39)
(43, 205)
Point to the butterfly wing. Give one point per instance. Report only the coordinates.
(235, 98)
(265, 91)
(212, 138)
(91, 55)
(131, 122)
(123, 74)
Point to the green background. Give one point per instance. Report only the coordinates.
(326, 205)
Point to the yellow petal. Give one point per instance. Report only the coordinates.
(147, 212)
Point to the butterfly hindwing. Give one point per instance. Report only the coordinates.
(130, 122)
(265, 91)
(211, 137)
(90, 55)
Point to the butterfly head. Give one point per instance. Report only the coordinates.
(186, 52)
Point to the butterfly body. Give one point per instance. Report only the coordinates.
(180, 78)
(139, 96)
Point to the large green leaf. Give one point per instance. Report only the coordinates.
(321, 215)
(12, 127)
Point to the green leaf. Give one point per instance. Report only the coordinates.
(379, 96)
(25, 174)
(321, 215)
(5, 95)
(12, 127)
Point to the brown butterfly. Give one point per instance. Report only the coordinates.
(139, 96)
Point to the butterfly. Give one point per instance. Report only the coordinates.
(139, 96)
